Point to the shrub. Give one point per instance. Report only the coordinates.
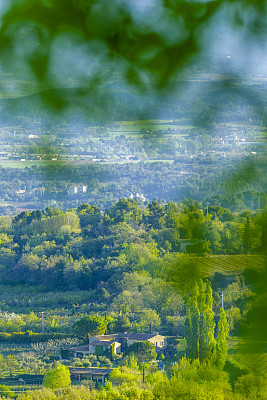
(86, 363)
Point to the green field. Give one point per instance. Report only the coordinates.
(44, 164)
(245, 358)
(29, 164)
(230, 264)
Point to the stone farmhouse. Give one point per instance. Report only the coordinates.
(117, 343)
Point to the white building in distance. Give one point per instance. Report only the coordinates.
(77, 189)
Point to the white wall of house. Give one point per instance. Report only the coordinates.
(159, 341)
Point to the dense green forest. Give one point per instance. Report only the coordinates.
(78, 249)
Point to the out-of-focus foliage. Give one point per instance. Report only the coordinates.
(144, 42)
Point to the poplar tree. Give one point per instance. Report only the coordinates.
(192, 324)
(199, 324)
(221, 341)
(207, 324)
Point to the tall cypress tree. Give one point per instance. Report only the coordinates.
(192, 324)
(199, 324)
(221, 341)
(207, 324)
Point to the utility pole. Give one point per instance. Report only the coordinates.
(143, 372)
(106, 331)
(221, 294)
(42, 312)
(222, 298)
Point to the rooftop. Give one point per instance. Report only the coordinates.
(90, 371)
(103, 342)
(133, 336)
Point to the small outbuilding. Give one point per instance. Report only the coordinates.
(92, 374)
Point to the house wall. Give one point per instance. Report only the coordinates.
(91, 349)
(117, 348)
(158, 341)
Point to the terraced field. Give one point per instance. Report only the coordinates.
(230, 264)
(252, 360)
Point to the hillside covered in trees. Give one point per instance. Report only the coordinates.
(86, 248)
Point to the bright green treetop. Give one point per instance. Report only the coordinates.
(57, 378)
(5, 391)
